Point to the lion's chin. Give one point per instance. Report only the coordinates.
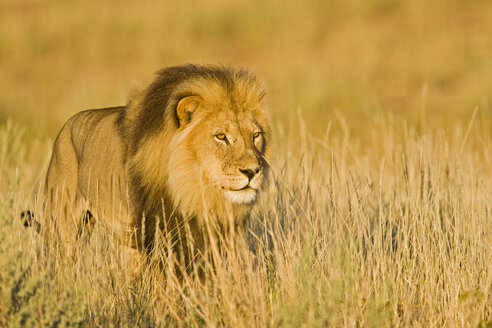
(244, 196)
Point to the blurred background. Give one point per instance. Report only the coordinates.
(421, 61)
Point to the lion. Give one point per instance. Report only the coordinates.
(193, 146)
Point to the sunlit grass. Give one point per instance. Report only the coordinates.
(396, 233)
(378, 212)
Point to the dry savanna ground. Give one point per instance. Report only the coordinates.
(379, 208)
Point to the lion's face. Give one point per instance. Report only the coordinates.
(230, 149)
(219, 147)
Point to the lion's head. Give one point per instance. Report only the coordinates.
(202, 139)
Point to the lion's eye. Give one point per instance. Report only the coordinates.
(256, 135)
(221, 136)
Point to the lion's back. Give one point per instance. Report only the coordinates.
(89, 123)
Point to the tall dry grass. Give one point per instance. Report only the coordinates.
(378, 212)
(394, 233)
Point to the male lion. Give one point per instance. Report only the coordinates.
(192, 146)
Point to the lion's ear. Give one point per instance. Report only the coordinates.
(185, 109)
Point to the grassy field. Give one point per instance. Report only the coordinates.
(379, 212)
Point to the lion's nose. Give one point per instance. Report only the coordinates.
(250, 172)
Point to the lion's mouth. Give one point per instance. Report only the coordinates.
(244, 195)
(243, 188)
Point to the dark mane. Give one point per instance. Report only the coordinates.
(149, 114)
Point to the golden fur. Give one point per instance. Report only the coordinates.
(192, 145)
